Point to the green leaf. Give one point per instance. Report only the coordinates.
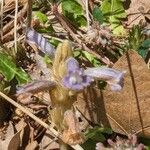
(89, 145)
(135, 37)
(88, 56)
(54, 42)
(144, 48)
(47, 60)
(77, 53)
(113, 12)
(145, 141)
(118, 29)
(9, 70)
(91, 58)
(72, 6)
(80, 21)
(98, 15)
(46, 29)
(146, 43)
(21, 76)
(7, 67)
(74, 12)
(42, 17)
(105, 7)
(96, 133)
(117, 10)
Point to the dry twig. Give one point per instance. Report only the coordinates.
(26, 111)
(64, 23)
(15, 27)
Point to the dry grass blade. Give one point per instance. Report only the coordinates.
(1, 18)
(87, 15)
(54, 132)
(15, 26)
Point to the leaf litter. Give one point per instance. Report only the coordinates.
(24, 132)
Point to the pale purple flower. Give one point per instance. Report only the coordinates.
(78, 78)
(42, 43)
(75, 78)
(112, 76)
(36, 86)
(121, 144)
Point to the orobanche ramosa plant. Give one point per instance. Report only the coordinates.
(67, 81)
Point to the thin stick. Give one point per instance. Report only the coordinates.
(26, 111)
(117, 124)
(87, 13)
(29, 13)
(1, 21)
(15, 27)
(79, 41)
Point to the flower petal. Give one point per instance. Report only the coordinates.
(42, 43)
(36, 86)
(75, 78)
(113, 77)
(72, 64)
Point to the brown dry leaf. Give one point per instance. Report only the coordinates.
(138, 10)
(90, 105)
(9, 134)
(14, 143)
(12, 140)
(48, 143)
(126, 111)
(32, 146)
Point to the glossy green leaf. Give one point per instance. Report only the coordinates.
(98, 15)
(88, 56)
(21, 76)
(72, 6)
(7, 67)
(146, 43)
(96, 133)
(80, 21)
(9, 70)
(91, 58)
(77, 53)
(118, 29)
(42, 17)
(89, 145)
(113, 12)
(74, 12)
(105, 7)
(144, 48)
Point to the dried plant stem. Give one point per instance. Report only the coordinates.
(10, 25)
(87, 14)
(15, 27)
(26, 111)
(79, 41)
(1, 20)
(117, 124)
(29, 13)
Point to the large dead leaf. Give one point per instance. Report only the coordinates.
(126, 111)
(8, 136)
(12, 140)
(138, 10)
